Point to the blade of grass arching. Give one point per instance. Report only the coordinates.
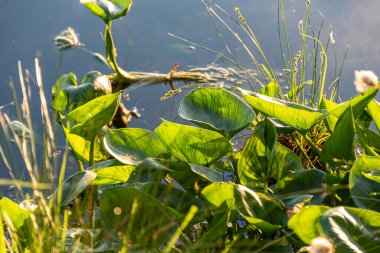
(47, 125)
(209, 11)
(304, 28)
(335, 92)
(24, 184)
(15, 99)
(189, 216)
(257, 64)
(28, 118)
(285, 62)
(221, 55)
(316, 77)
(281, 4)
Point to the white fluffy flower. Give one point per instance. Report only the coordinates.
(364, 80)
(321, 245)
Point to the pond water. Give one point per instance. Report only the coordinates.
(28, 28)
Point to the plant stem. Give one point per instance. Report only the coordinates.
(302, 149)
(92, 151)
(312, 145)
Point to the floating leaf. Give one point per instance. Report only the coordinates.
(217, 110)
(255, 164)
(299, 117)
(339, 147)
(193, 145)
(132, 145)
(364, 186)
(108, 9)
(76, 184)
(111, 172)
(86, 120)
(358, 104)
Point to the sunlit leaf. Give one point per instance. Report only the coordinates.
(193, 145)
(339, 147)
(86, 120)
(108, 9)
(369, 140)
(374, 111)
(270, 89)
(358, 104)
(364, 185)
(132, 145)
(76, 184)
(299, 117)
(255, 164)
(217, 110)
(111, 172)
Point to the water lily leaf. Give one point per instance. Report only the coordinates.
(217, 110)
(255, 164)
(310, 181)
(67, 95)
(18, 219)
(144, 219)
(258, 209)
(81, 147)
(351, 229)
(132, 145)
(193, 145)
(358, 104)
(299, 117)
(76, 184)
(374, 111)
(86, 120)
(111, 172)
(108, 9)
(304, 223)
(364, 184)
(339, 147)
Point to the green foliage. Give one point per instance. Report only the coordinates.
(108, 10)
(206, 108)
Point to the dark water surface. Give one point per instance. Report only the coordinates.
(28, 28)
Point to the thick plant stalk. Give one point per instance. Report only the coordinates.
(122, 82)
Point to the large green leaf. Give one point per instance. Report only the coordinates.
(363, 184)
(81, 147)
(143, 219)
(132, 145)
(339, 147)
(17, 219)
(76, 184)
(86, 120)
(310, 181)
(108, 9)
(299, 117)
(217, 110)
(304, 223)
(358, 104)
(67, 95)
(374, 111)
(111, 172)
(270, 90)
(369, 140)
(254, 166)
(284, 163)
(352, 229)
(193, 145)
(258, 209)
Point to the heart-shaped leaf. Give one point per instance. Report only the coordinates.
(299, 117)
(108, 9)
(111, 172)
(86, 120)
(193, 145)
(132, 145)
(254, 166)
(363, 186)
(217, 110)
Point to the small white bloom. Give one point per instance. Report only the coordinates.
(364, 80)
(321, 245)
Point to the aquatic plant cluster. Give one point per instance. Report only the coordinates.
(305, 180)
